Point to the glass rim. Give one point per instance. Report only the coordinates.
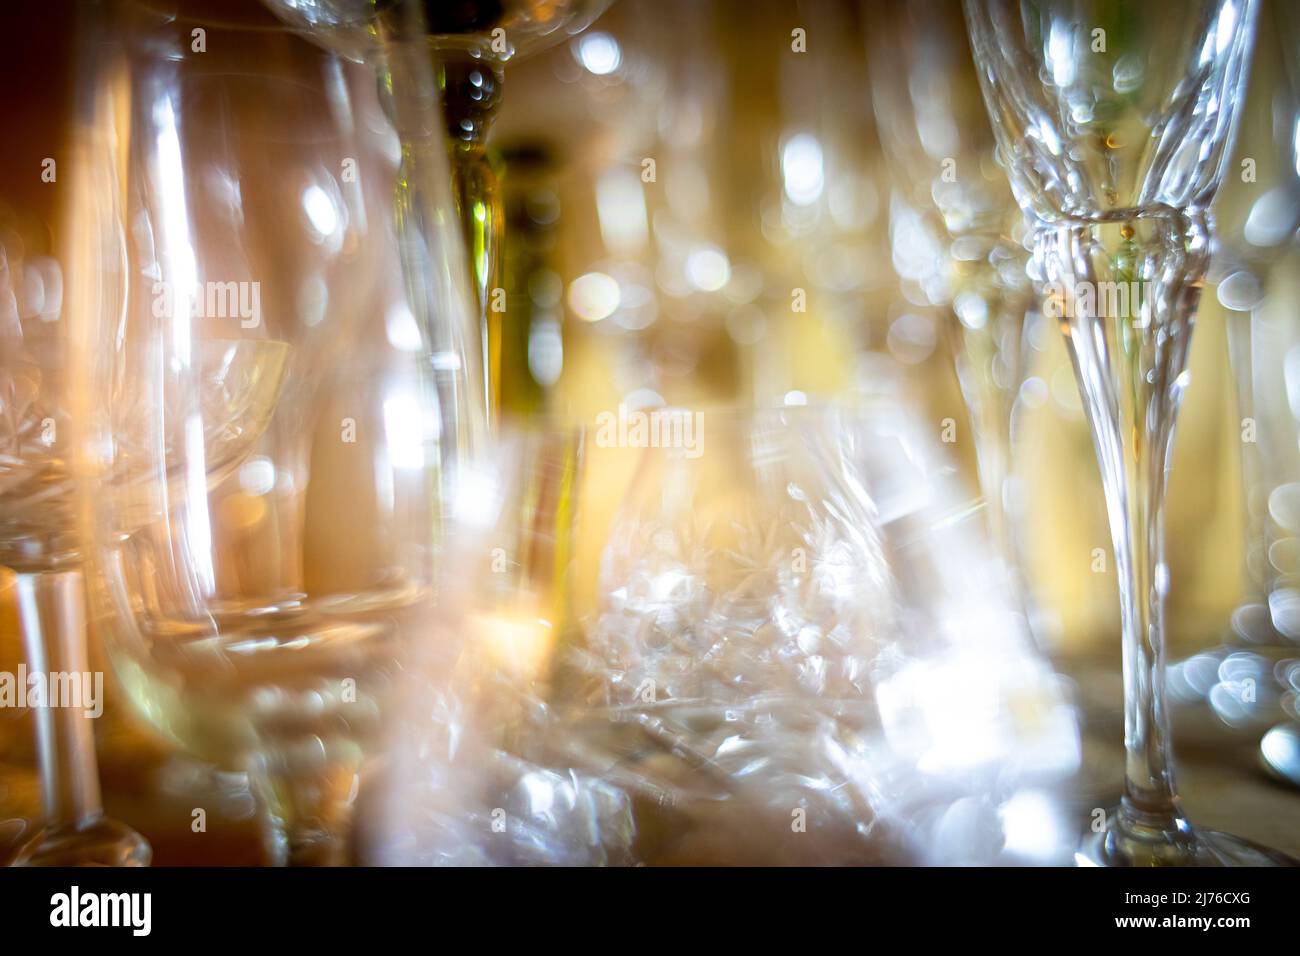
(167, 12)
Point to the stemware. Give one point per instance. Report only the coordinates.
(57, 224)
(763, 637)
(1257, 214)
(956, 229)
(284, 378)
(1248, 682)
(469, 44)
(1115, 143)
(1257, 217)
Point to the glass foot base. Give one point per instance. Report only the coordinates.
(1209, 848)
(102, 842)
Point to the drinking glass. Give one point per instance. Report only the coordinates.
(284, 374)
(1247, 682)
(469, 45)
(956, 229)
(763, 637)
(1257, 214)
(56, 227)
(1250, 682)
(1114, 122)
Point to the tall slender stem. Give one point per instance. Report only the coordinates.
(1240, 361)
(988, 345)
(1126, 289)
(432, 256)
(471, 84)
(51, 606)
(1248, 336)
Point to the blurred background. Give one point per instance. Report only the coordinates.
(704, 209)
(769, 180)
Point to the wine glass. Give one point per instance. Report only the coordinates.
(1257, 214)
(957, 231)
(57, 223)
(1114, 123)
(288, 227)
(1248, 683)
(761, 637)
(470, 44)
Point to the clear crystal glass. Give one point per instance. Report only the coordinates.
(285, 381)
(1248, 683)
(1114, 122)
(58, 225)
(779, 644)
(956, 230)
(469, 44)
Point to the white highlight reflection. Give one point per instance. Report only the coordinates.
(708, 269)
(179, 267)
(802, 169)
(402, 430)
(620, 207)
(321, 211)
(599, 53)
(594, 296)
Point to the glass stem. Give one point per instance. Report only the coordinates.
(1126, 307)
(1135, 504)
(51, 607)
(991, 406)
(479, 202)
(472, 87)
(433, 262)
(306, 812)
(1242, 344)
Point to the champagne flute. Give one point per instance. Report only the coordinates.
(279, 226)
(1257, 213)
(1257, 216)
(1114, 122)
(947, 186)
